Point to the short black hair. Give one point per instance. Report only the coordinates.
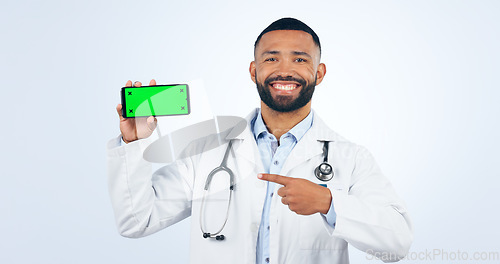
(288, 23)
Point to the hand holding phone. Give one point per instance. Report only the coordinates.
(136, 128)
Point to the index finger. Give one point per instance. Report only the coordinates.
(283, 180)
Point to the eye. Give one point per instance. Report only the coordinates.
(300, 60)
(270, 59)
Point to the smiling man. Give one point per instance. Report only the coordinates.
(302, 193)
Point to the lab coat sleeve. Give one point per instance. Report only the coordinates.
(145, 202)
(331, 216)
(370, 216)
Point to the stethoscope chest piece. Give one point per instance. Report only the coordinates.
(324, 172)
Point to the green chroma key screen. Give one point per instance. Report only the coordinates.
(158, 100)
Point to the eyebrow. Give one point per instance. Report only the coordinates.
(274, 52)
(271, 52)
(302, 53)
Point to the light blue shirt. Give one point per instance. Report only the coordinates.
(273, 157)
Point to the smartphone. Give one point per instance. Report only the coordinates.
(156, 100)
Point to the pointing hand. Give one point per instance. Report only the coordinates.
(302, 196)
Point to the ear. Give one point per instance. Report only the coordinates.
(252, 71)
(320, 73)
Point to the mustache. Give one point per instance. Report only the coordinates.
(285, 79)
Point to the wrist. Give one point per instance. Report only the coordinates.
(127, 141)
(326, 200)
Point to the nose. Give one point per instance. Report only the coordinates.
(285, 69)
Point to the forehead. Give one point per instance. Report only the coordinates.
(286, 40)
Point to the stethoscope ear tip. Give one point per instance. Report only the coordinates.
(218, 237)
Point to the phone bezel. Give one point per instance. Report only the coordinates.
(124, 103)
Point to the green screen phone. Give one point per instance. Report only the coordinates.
(157, 100)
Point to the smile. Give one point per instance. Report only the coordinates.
(285, 87)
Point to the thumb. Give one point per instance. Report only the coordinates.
(151, 122)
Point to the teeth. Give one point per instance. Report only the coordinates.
(287, 87)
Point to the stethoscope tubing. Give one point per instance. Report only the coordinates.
(320, 172)
(221, 167)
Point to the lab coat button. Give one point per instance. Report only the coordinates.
(267, 260)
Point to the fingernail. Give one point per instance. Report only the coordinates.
(259, 175)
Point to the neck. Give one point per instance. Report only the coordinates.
(278, 123)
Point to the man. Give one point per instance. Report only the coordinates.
(280, 211)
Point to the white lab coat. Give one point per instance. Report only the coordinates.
(370, 216)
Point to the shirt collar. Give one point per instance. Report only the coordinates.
(258, 126)
(298, 131)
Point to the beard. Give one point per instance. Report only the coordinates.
(285, 103)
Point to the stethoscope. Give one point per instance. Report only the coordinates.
(222, 167)
(324, 172)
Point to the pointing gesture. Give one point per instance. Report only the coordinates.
(302, 196)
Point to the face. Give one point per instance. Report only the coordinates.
(286, 69)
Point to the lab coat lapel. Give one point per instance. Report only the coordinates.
(247, 156)
(310, 145)
(245, 146)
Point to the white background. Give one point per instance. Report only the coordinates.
(416, 82)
